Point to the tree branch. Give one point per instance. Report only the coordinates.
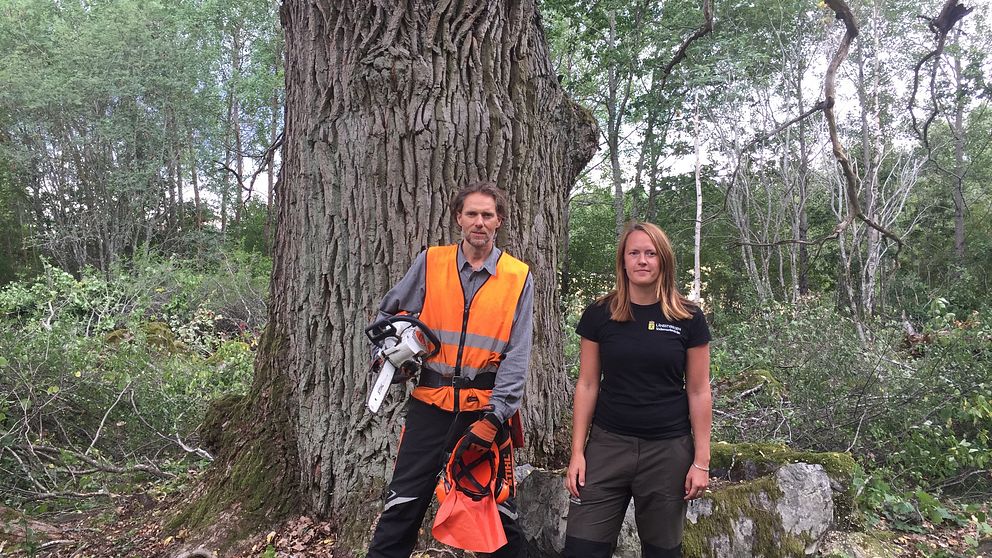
(949, 15)
(843, 13)
(55, 454)
(705, 29)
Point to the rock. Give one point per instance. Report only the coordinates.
(542, 504)
(806, 505)
(839, 544)
(793, 508)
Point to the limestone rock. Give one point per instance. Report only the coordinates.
(856, 545)
(792, 507)
(806, 505)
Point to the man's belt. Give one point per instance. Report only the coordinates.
(431, 379)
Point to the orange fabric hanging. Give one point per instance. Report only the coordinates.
(469, 491)
(469, 524)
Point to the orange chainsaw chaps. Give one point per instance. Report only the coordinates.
(469, 524)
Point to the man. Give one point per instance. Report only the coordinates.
(479, 302)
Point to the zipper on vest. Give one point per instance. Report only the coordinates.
(461, 348)
(461, 340)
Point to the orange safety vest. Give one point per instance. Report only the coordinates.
(474, 333)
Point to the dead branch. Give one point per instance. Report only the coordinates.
(940, 26)
(34, 497)
(55, 455)
(266, 158)
(843, 13)
(204, 454)
(963, 477)
(104, 420)
(762, 137)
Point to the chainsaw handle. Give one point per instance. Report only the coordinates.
(384, 328)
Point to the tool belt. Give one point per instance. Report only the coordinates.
(431, 379)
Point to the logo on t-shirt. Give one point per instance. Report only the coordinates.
(654, 326)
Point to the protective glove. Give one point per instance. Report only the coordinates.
(478, 438)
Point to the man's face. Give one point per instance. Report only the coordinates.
(478, 220)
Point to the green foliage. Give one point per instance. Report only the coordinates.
(916, 406)
(119, 369)
(592, 241)
(112, 111)
(880, 504)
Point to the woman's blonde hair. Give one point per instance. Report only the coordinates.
(673, 305)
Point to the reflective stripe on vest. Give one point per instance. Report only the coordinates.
(474, 334)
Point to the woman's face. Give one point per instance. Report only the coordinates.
(640, 260)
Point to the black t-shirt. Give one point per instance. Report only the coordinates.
(642, 387)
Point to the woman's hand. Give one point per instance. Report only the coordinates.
(576, 476)
(696, 481)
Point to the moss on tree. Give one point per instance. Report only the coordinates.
(253, 480)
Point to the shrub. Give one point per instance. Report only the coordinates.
(108, 376)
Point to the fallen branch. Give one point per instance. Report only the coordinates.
(751, 391)
(53, 454)
(963, 477)
(104, 419)
(178, 441)
(34, 497)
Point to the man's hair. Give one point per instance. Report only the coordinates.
(488, 188)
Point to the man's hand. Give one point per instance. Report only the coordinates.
(479, 437)
(405, 373)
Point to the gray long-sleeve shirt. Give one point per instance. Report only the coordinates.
(511, 376)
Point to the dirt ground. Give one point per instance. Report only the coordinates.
(132, 529)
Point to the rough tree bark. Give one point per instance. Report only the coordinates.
(389, 109)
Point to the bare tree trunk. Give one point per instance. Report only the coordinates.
(872, 151)
(389, 109)
(195, 183)
(802, 228)
(239, 158)
(170, 183)
(614, 118)
(958, 131)
(696, 292)
(225, 193)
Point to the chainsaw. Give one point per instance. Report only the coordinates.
(403, 342)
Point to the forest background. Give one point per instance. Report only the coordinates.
(139, 155)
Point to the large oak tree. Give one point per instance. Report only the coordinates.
(390, 108)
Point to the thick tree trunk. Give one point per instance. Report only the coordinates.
(390, 108)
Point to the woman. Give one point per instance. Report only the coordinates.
(643, 398)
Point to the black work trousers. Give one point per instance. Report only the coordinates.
(429, 434)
